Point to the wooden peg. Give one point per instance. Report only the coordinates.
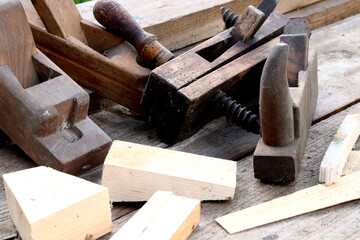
(247, 24)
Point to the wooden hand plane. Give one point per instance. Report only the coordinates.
(288, 95)
(96, 59)
(42, 110)
(181, 94)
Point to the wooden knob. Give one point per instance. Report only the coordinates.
(116, 19)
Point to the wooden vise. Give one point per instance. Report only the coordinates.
(288, 95)
(42, 110)
(94, 58)
(183, 94)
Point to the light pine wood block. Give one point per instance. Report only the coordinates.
(134, 172)
(336, 155)
(303, 201)
(51, 205)
(164, 216)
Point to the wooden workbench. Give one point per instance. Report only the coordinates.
(338, 49)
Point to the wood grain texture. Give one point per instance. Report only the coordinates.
(180, 95)
(324, 223)
(326, 12)
(107, 66)
(338, 90)
(16, 43)
(306, 200)
(77, 208)
(164, 216)
(340, 147)
(60, 18)
(338, 69)
(174, 21)
(43, 110)
(134, 172)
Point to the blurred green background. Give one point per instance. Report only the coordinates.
(81, 1)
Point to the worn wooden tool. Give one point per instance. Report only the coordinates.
(182, 94)
(94, 58)
(42, 110)
(286, 112)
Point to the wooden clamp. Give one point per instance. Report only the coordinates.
(93, 57)
(42, 110)
(286, 112)
(180, 94)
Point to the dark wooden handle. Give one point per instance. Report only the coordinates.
(116, 19)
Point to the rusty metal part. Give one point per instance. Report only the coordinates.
(116, 19)
(229, 17)
(237, 114)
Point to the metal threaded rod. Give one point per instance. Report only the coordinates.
(229, 17)
(237, 114)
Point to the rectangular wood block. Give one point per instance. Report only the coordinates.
(47, 204)
(164, 216)
(134, 172)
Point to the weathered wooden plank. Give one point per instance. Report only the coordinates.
(326, 12)
(338, 66)
(174, 21)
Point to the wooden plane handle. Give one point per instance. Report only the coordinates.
(116, 19)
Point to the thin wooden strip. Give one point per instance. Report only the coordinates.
(338, 152)
(304, 201)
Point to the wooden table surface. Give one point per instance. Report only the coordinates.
(338, 48)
